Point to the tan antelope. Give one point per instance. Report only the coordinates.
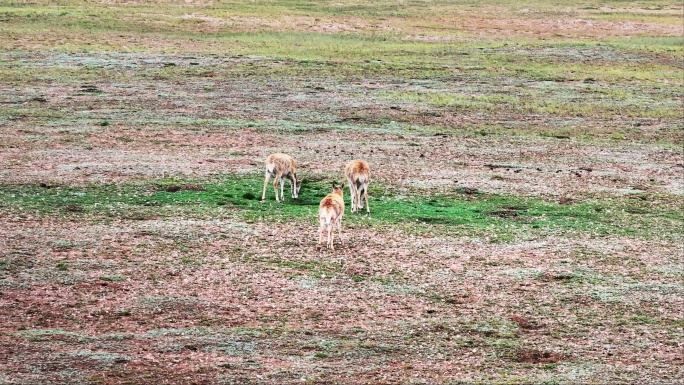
(330, 213)
(358, 177)
(280, 167)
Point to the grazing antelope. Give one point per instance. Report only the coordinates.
(330, 213)
(358, 177)
(281, 167)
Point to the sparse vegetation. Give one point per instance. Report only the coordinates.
(527, 192)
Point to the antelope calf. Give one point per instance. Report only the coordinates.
(281, 167)
(358, 177)
(330, 213)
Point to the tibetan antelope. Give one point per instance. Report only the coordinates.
(330, 213)
(281, 167)
(358, 177)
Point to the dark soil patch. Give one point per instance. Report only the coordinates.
(563, 276)
(89, 88)
(523, 323)
(538, 357)
(504, 166)
(506, 213)
(467, 190)
(190, 187)
(565, 201)
(249, 196)
(435, 220)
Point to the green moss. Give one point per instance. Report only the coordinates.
(496, 218)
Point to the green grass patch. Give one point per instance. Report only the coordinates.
(491, 217)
